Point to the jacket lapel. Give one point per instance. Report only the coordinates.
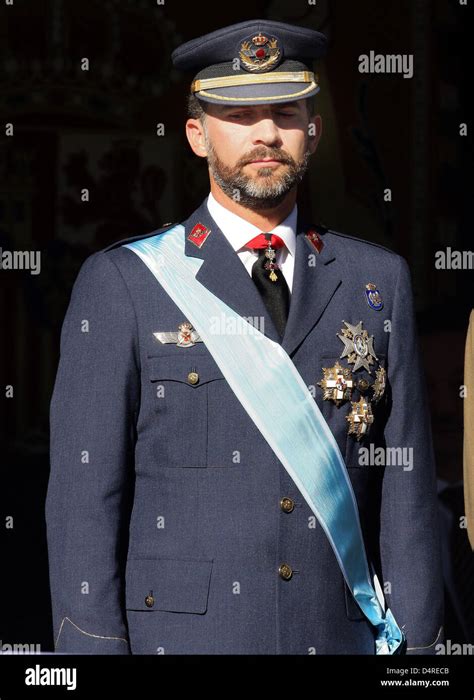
(315, 282)
(223, 274)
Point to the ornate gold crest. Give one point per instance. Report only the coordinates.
(259, 53)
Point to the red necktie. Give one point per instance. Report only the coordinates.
(261, 241)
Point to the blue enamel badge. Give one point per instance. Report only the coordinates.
(374, 298)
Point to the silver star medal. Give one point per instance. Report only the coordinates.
(358, 346)
(185, 337)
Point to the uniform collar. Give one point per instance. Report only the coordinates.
(238, 231)
(316, 279)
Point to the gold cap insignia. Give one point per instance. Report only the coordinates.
(260, 53)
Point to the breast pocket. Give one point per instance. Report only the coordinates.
(180, 386)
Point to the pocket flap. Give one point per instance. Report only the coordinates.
(178, 369)
(175, 585)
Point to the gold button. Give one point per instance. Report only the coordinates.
(149, 601)
(285, 571)
(287, 504)
(193, 377)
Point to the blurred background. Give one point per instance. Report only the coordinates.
(96, 129)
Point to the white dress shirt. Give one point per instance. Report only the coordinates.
(239, 232)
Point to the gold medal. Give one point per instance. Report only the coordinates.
(360, 418)
(336, 384)
(378, 387)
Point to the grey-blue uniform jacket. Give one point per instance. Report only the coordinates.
(169, 517)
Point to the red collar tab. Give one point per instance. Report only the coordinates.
(199, 235)
(315, 239)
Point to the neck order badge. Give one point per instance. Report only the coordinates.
(254, 365)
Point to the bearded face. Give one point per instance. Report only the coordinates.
(257, 154)
(262, 186)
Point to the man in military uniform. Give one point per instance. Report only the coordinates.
(231, 394)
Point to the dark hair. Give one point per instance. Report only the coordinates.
(196, 108)
(311, 105)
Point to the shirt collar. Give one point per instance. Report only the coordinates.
(238, 231)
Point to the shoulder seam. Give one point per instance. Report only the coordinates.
(123, 241)
(361, 240)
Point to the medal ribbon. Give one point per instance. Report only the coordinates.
(269, 387)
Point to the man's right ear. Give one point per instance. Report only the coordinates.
(196, 137)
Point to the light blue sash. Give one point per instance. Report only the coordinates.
(269, 387)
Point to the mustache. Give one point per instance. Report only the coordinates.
(259, 154)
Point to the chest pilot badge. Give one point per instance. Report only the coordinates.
(184, 337)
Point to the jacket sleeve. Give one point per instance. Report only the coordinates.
(409, 531)
(468, 451)
(92, 422)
